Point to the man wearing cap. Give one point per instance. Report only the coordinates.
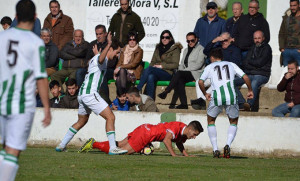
(210, 26)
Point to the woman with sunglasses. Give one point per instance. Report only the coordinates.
(190, 68)
(164, 61)
(129, 66)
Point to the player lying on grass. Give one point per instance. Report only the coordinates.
(222, 75)
(167, 133)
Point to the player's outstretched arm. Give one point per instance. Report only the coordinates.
(168, 143)
(104, 52)
(181, 148)
(248, 83)
(42, 85)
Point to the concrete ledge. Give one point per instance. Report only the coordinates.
(256, 135)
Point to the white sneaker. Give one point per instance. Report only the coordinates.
(117, 151)
(60, 149)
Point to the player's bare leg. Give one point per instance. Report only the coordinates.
(128, 148)
(230, 136)
(212, 133)
(123, 142)
(109, 116)
(82, 120)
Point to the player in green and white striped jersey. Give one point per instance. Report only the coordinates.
(22, 68)
(221, 75)
(90, 100)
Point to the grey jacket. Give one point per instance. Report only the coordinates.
(196, 61)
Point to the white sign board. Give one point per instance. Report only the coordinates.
(156, 16)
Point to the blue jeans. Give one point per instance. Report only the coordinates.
(80, 75)
(256, 82)
(150, 76)
(290, 54)
(283, 109)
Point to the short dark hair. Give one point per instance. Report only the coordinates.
(6, 20)
(196, 125)
(101, 27)
(121, 92)
(132, 33)
(295, 62)
(53, 83)
(115, 44)
(25, 11)
(54, 1)
(294, 1)
(192, 34)
(216, 53)
(71, 82)
(134, 91)
(254, 1)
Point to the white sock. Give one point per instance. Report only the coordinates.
(9, 168)
(111, 139)
(212, 133)
(70, 134)
(2, 154)
(231, 133)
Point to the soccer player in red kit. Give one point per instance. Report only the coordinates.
(167, 133)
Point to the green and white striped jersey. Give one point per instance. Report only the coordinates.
(94, 77)
(21, 63)
(222, 74)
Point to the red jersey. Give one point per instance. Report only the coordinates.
(148, 133)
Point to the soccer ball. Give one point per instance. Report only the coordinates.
(148, 149)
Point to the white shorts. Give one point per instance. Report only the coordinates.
(232, 111)
(15, 130)
(91, 102)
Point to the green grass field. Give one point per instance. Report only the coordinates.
(46, 164)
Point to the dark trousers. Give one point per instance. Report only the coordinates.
(104, 90)
(178, 81)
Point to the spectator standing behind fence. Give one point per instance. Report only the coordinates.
(6, 22)
(125, 21)
(60, 25)
(247, 25)
(165, 61)
(190, 68)
(289, 34)
(237, 10)
(140, 102)
(129, 66)
(70, 99)
(257, 65)
(55, 90)
(291, 84)
(51, 52)
(74, 55)
(36, 27)
(210, 26)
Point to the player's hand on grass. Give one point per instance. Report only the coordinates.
(250, 95)
(208, 96)
(192, 156)
(47, 119)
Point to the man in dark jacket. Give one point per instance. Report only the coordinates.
(257, 66)
(70, 99)
(125, 21)
(55, 90)
(289, 39)
(74, 55)
(210, 26)
(60, 25)
(237, 10)
(247, 25)
(51, 52)
(291, 84)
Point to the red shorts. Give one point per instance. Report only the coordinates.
(139, 138)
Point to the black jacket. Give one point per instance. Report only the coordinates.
(258, 60)
(246, 26)
(51, 55)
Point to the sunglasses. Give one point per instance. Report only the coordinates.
(210, 7)
(192, 41)
(132, 39)
(165, 37)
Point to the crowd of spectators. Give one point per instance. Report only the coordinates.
(243, 39)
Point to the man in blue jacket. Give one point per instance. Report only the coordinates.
(210, 26)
